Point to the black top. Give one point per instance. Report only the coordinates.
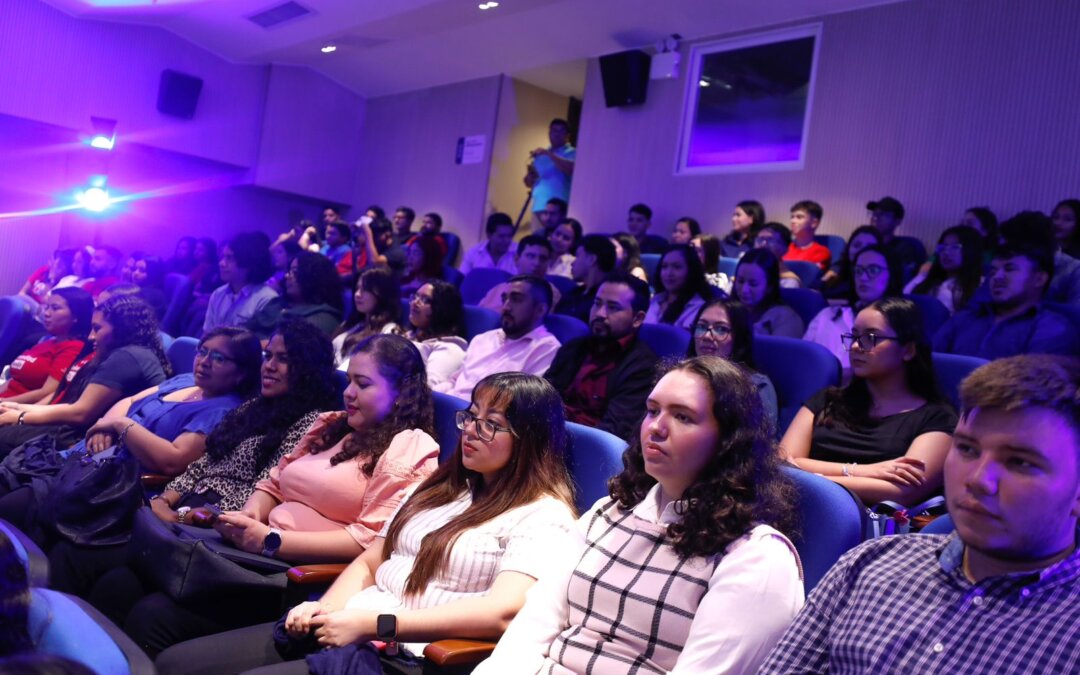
(577, 303)
(653, 243)
(129, 370)
(882, 439)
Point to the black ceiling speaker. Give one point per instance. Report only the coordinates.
(625, 76)
(178, 94)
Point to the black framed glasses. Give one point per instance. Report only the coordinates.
(485, 429)
(722, 331)
(866, 341)
(216, 357)
(868, 271)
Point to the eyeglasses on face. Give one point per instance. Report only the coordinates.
(950, 248)
(868, 271)
(216, 357)
(422, 299)
(866, 341)
(722, 331)
(484, 429)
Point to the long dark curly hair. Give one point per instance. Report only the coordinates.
(741, 485)
(14, 601)
(318, 280)
(311, 388)
(400, 363)
(447, 310)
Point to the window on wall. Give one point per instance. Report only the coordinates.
(747, 104)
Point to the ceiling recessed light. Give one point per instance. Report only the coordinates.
(488, 5)
(328, 49)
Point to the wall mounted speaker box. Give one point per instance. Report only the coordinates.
(625, 76)
(178, 94)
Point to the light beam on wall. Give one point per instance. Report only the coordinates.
(104, 133)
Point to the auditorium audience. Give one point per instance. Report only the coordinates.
(663, 572)
(127, 359)
(183, 258)
(593, 261)
(373, 245)
(998, 594)
(148, 274)
(628, 255)
(685, 229)
(48, 276)
(746, 221)
(723, 328)
(103, 269)
(423, 263)
(328, 500)
(244, 267)
(707, 248)
(533, 254)
(454, 562)
(239, 451)
(402, 221)
(80, 268)
(1014, 321)
(605, 377)
(986, 223)
(1064, 217)
(496, 251)
(377, 301)
(551, 216)
(638, 221)
(1038, 230)
(840, 284)
(886, 214)
(336, 245)
(956, 269)
(36, 373)
(435, 315)
(204, 276)
(680, 288)
(757, 285)
(281, 254)
(883, 436)
(876, 275)
(312, 293)
(564, 241)
(777, 239)
(805, 220)
(522, 343)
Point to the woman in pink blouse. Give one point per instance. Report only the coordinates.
(330, 497)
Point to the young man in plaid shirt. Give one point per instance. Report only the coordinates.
(1002, 593)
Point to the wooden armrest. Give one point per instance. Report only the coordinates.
(458, 652)
(155, 481)
(315, 574)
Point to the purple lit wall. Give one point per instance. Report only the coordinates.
(944, 105)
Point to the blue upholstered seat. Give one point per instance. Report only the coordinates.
(15, 316)
(665, 340)
(806, 303)
(181, 354)
(479, 281)
(934, 313)
(950, 370)
(832, 521)
(32, 557)
(649, 263)
(798, 369)
(807, 272)
(563, 284)
(943, 524)
(446, 431)
(178, 291)
(595, 456)
(479, 320)
(565, 328)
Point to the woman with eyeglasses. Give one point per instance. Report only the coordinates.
(757, 285)
(327, 500)
(291, 387)
(454, 562)
(312, 293)
(839, 284)
(435, 312)
(876, 275)
(686, 567)
(378, 309)
(956, 271)
(884, 436)
(723, 328)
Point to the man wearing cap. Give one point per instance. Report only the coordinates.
(1000, 594)
(886, 214)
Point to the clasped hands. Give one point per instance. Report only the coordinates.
(104, 433)
(332, 628)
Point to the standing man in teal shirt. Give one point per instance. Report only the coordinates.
(549, 173)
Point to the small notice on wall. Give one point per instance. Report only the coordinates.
(470, 149)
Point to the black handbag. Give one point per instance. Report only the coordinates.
(192, 564)
(92, 500)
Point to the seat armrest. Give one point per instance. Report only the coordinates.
(155, 481)
(315, 574)
(458, 652)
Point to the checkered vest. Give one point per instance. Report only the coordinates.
(631, 599)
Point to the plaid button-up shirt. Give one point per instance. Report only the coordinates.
(903, 605)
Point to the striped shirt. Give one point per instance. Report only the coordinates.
(904, 605)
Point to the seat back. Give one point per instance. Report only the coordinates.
(453, 248)
(181, 354)
(665, 340)
(807, 272)
(798, 369)
(166, 340)
(649, 263)
(950, 370)
(446, 431)
(178, 291)
(831, 523)
(452, 275)
(835, 244)
(565, 328)
(1071, 312)
(341, 382)
(479, 281)
(806, 303)
(15, 316)
(727, 266)
(67, 626)
(943, 524)
(479, 320)
(563, 284)
(31, 556)
(934, 313)
(594, 457)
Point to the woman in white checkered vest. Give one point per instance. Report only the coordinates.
(685, 569)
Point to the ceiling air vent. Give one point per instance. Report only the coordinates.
(279, 14)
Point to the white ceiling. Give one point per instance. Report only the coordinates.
(391, 46)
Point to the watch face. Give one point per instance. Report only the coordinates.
(386, 627)
(272, 541)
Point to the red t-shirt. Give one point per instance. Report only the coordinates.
(815, 253)
(38, 283)
(70, 375)
(46, 359)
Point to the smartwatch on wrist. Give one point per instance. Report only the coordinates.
(386, 630)
(272, 543)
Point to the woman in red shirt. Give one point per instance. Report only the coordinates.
(36, 373)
